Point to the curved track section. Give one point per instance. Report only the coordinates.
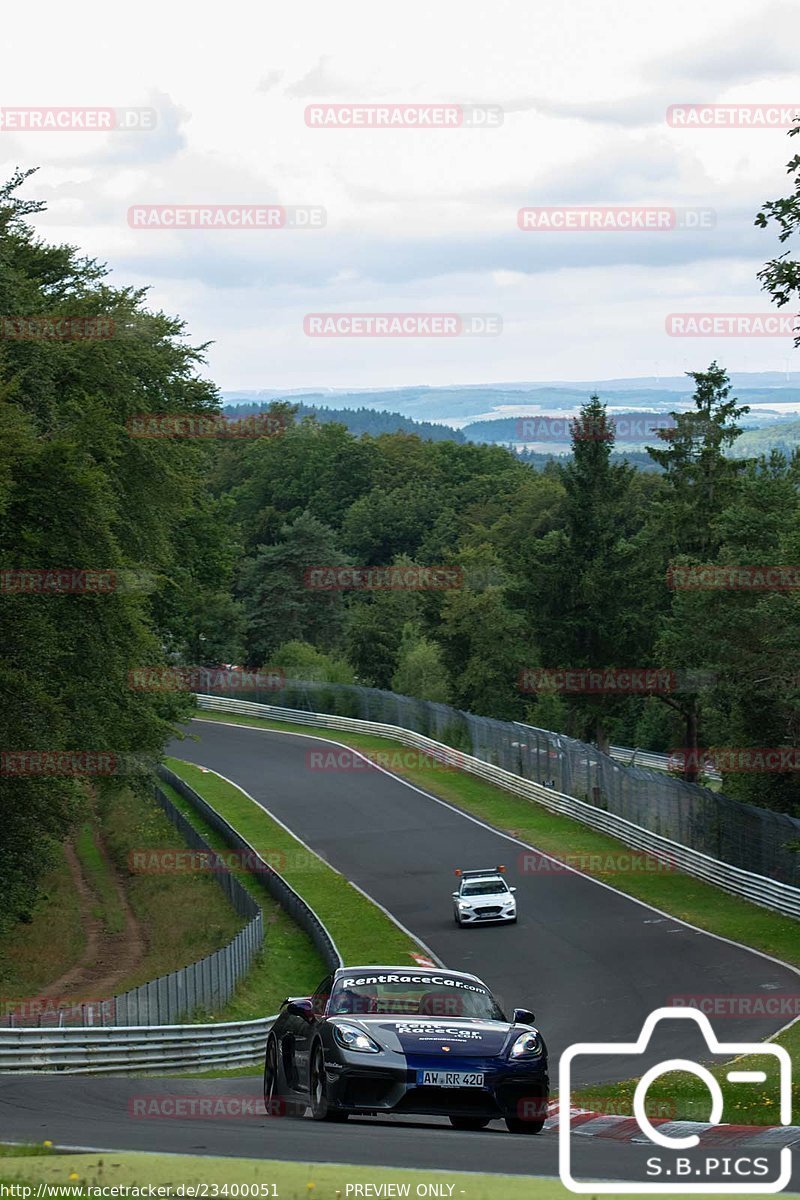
(591, 962)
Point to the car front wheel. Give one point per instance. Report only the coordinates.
(318, 1090)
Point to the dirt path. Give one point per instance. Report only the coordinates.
(107, 959)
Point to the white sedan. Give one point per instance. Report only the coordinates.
(483, 896)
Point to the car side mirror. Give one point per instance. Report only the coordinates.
(303, 1007)
(512, 889)
(455, 895)
(524, 1016)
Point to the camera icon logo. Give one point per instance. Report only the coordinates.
(699, 1175)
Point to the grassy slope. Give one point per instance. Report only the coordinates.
(44, 948)
(183, 916)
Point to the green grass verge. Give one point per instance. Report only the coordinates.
(32, 1151)
(293, 1181)
(108, 908)
(289, 964)
(362, 932)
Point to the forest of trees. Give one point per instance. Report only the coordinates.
(566, 566)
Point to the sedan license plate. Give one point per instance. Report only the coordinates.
(449, 1079)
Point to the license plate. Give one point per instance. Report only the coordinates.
(449, 1079)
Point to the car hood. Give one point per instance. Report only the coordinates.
(465, 1037)
(491, 898)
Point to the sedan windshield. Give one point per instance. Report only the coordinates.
(484, 888)
(416, 995)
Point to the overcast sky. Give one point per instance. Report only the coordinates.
(418, 220)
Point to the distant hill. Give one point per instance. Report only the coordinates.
(357, 420)
(778, 435)
(459, 404)
(506, 431)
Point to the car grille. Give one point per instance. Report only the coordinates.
(363, 1090)
(443, 1101)
(488, 910)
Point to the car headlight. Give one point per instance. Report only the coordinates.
(350, 1038)
(527, 1045)
(465, 904)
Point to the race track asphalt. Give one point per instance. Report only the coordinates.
(591, 962)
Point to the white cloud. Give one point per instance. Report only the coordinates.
(423, 220)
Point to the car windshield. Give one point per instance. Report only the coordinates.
(416, 995)
(483, 887)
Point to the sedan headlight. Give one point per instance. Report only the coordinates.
(527, 1045)
(350, 1038)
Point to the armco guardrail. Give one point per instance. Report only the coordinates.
(78, 1051)
(646, 758)
(770, 893)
